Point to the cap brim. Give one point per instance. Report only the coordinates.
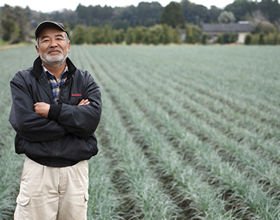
(46, 24)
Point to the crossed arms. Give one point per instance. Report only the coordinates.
(33, 123)
(42, 108)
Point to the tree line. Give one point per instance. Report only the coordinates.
(148, 23)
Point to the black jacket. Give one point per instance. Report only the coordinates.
(67, 135)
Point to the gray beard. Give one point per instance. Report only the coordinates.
(57, 60)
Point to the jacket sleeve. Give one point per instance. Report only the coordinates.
(28, 124)
(82, 120)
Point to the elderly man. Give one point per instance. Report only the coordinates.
(55, 110)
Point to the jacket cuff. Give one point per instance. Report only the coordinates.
(54, 111)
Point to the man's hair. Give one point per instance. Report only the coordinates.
(66, 38)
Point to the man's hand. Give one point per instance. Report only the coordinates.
(42, 109)
(84, 102)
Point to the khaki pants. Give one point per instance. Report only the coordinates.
(49, 193)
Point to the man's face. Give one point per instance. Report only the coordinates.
(53, 46)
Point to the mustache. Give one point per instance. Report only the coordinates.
(54, 50)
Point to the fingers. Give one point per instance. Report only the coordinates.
(84, 102)
(42, 108)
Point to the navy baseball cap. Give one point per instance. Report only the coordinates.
(46, 24)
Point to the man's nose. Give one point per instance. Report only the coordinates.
(53, 43)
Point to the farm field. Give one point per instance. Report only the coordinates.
(187, 132)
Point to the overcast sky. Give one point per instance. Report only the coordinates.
(54, 5)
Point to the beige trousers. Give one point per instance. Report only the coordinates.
(49, 193)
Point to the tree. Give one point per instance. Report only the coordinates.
(167, 34)
(119, 36)
(213, 14)
(130, 36)
(68, 17)
(148, 14)
(241, 9)
(226, 17)
(265, 27)
(193, 34)
(15, 27)
(270, 9)
(79, 35)
(94, 15)
(173, 15)
(248, 39)
(194, 13)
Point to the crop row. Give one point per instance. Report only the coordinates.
(118, 78)
(186, 132)
(168, 161)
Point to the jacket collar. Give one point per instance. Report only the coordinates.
(38, 68)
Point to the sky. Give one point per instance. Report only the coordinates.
(57, 5)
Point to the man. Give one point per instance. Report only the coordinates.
(55, 110)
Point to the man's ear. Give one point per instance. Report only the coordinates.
(36, 47)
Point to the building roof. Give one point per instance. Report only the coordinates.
(228, 28)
